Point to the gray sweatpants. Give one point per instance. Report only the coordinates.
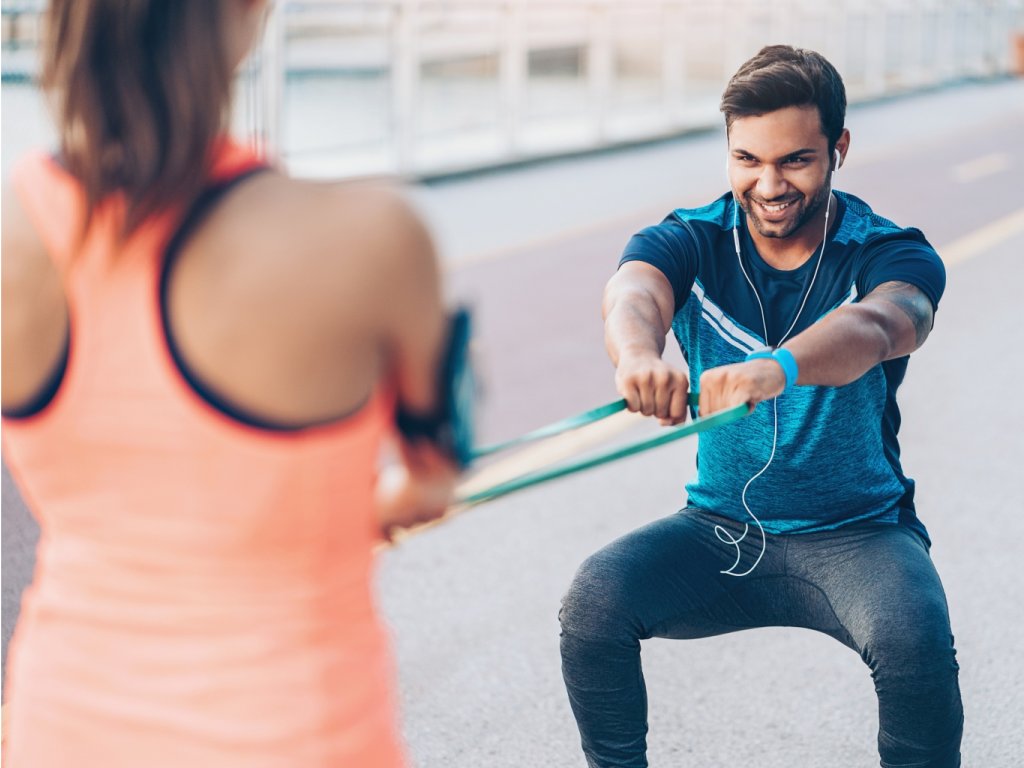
(872, 586)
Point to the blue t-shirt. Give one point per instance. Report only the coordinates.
(838, 457)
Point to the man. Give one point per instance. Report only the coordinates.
(799, 301)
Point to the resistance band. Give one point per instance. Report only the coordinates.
(721, 418)
(565, 425)
(452, 426)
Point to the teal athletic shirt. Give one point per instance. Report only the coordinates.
(838, 457)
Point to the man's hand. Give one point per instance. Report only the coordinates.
(638, 308)
(652, 387)
(750, 382)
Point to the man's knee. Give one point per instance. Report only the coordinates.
(913, 649)
(597, 605)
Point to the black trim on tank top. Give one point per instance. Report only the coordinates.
(51, 386)
(200, 209)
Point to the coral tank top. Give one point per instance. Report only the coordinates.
(202, 594)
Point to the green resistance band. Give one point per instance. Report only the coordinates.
(566, 425)
(574, 422)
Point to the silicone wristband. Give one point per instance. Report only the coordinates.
(785, 358)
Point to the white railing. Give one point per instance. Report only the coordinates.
(421, 87)
(342, 88)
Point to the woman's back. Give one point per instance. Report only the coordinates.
(203, 583)
(201, 360)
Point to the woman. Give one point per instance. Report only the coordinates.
(202, 358)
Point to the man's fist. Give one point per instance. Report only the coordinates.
(730, 385)
(653, 387)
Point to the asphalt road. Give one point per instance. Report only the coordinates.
(473, 602)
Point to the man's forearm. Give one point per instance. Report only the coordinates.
(839, 349)
(638, 307)
(891, 322)
(633, 325)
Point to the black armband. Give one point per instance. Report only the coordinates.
(450, 426)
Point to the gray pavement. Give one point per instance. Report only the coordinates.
(473, 603)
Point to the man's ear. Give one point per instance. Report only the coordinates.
(842, 147)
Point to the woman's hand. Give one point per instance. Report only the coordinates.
(415, 490)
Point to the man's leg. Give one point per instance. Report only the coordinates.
(662, 580)
(890, 607)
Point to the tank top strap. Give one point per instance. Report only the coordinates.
(222, 181)
(232, 163)
(232, 158)
(55, 202)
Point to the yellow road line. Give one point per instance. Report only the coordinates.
(980, 167)
(984, 239)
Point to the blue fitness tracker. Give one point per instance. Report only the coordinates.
(785, 359)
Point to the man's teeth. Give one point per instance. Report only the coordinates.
(775, 208)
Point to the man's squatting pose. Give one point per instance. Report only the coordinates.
(800, 301)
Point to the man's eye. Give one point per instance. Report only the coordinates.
(797, 162)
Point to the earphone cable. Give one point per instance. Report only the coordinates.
(722, 533)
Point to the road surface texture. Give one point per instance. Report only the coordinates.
(473, 603)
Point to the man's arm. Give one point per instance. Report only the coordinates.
(638, 307)
(891, 321)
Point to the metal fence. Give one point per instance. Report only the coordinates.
(419, 87)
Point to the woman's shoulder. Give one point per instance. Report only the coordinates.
(292, 286)
(296, 229)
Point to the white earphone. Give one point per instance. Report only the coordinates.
(723, 534)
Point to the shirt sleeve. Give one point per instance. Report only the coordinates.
(905, 257)
(670, 246)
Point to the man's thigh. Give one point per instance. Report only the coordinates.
(669, 578)
(878, 581)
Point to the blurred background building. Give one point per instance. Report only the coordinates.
(424, 87)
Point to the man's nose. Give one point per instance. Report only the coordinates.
(770, 183)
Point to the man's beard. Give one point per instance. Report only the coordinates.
(770, 229)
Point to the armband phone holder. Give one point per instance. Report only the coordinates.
(450, 427)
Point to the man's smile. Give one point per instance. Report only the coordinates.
(774, 210)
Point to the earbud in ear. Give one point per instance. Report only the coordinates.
(838, 158)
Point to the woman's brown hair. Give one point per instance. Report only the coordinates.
(141, 91)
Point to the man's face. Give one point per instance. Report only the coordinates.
(779, 167)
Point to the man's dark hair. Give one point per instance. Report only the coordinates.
(781, 76)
